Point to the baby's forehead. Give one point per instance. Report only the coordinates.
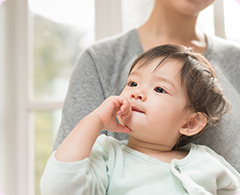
(157, 63)
(169, 70)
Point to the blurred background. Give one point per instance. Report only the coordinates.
(40, 41)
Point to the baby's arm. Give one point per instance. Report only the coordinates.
(78, 144)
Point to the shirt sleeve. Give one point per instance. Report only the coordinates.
(85, 93)
(89, 176)
(86, 177)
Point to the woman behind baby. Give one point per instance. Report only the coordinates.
(172, 97)
(102, 69)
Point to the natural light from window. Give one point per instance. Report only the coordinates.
(61, 31)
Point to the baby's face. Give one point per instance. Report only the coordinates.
(158, 103)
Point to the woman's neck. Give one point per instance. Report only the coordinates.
(171, 27)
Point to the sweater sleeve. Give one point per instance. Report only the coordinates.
(85, 93)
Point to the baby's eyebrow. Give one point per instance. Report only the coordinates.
(160, 78)
(165, 80)
(134, 73)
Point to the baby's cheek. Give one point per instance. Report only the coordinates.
(124, 92)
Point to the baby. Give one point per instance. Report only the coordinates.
(171, 97)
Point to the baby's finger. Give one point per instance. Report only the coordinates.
(121, 129)
(125, 107)
(127, 110)
(126, 115)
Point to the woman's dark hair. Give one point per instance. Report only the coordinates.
(198, 78)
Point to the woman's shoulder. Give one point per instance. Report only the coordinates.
(222, 48)
(121, 43)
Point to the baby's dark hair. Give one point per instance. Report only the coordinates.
(203, 89)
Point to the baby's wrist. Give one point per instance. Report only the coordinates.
(96, 120)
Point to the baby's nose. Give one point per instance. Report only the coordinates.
(138, 95)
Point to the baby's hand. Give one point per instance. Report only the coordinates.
(114, 105)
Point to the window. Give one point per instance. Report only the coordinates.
(45, 125)
(231, 20)
(135, 12)
(58, 39)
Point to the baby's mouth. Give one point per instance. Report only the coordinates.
(134, 109)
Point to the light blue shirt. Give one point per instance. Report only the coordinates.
(115, 169)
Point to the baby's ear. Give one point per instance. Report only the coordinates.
(195, 123)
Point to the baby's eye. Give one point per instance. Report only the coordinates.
(132, 84)
(159, 90)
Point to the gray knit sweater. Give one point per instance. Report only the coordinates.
(102, 70)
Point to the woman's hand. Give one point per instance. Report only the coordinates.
(106, 112)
